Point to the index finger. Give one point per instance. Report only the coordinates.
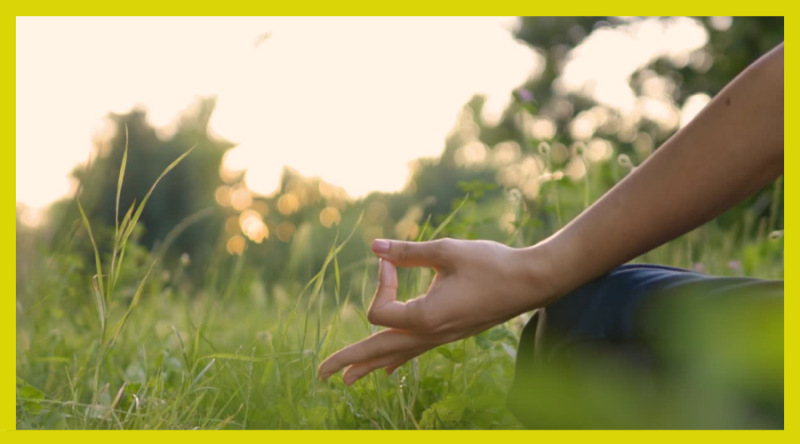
(383, 343)
(385, 310)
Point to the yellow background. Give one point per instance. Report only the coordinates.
(408, 7)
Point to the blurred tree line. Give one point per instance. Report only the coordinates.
(293, 230)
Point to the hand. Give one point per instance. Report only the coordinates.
(478, 284)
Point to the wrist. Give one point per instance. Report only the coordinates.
(539, 270)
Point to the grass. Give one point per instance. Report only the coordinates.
(122, 344)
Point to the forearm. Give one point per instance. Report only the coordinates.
(731, 149)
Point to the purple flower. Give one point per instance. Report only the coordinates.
(524, 95)
(698, 267)
(735, 265)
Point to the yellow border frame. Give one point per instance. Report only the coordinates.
(408, 7)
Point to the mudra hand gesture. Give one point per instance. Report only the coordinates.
(478, 284)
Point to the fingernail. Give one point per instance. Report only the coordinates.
(380, 246)
(349, 380)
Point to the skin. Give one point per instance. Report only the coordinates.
(733, 148)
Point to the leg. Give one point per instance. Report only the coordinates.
(644, 346)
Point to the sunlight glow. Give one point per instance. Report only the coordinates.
(601, 66)
(350, 100)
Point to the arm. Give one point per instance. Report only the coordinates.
(731, 149)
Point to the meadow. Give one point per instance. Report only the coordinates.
(116, 340)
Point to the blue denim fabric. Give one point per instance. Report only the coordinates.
(618, 316)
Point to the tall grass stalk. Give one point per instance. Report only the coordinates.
(103, 294)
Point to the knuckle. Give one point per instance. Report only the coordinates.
(403, 252)
(446, 242)
(444, 248)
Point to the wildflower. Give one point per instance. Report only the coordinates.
(523, 95)
(624, 161)
(776, 235)
(264, 336)
(544, 149)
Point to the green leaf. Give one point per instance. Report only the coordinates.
(500, 333)
(445, 414)
(431, 384)
(316, 417)
(483, 342)
(287, 412)
(444, 351)
(457, 355)
(31, 393)
(32, 398)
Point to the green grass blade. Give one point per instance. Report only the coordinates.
(101, 305)
(139, 210)
(112, 274)
(98, 263)
(203, 372)
(133, 220)
(243, 358)
(338, 279)
(122, 247)
(425, 227)
(449, 219)
(119, 262)
(136, 297)
(121, 177)
(776, 201)
(314, 280)
(181, 227)
(126, 220)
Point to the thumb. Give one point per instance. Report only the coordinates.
(413, 254)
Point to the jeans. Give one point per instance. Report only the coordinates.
(649, 346)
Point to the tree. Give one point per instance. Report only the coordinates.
(186, 190)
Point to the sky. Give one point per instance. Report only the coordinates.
(350, 100)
